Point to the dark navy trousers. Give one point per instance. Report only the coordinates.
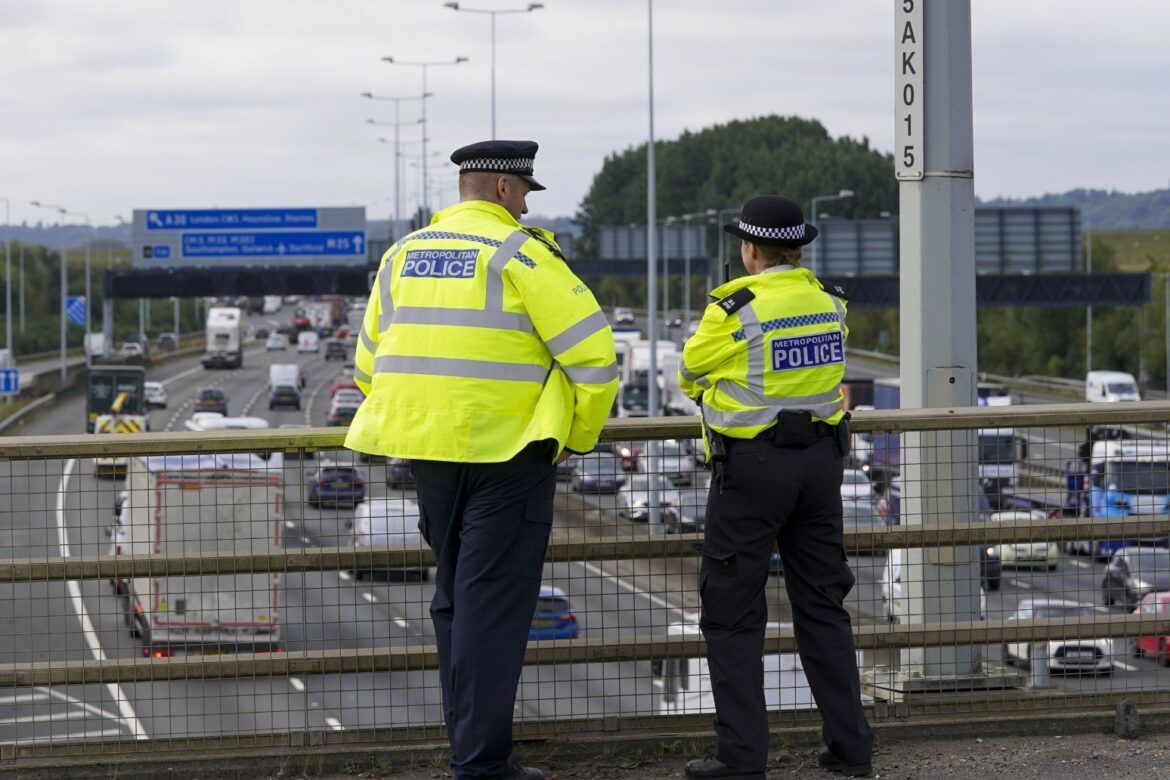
(790, 495)
(488, 524)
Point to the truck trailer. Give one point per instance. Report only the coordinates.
(182, 505)
(225, 337)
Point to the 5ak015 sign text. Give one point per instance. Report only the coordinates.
(908, 52)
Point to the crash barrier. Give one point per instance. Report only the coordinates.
(288, 647)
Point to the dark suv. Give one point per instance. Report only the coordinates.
(211, 399)
(335, 348)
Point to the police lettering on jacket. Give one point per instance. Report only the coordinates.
(822, 349)
(440, 263)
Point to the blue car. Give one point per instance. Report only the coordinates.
(335, 484)
(553, 618)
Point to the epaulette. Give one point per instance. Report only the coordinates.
(837, 292)
(736, 301)
(549, 245)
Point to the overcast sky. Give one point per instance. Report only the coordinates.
(122, 104)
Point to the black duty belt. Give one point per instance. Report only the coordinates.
(796, 429)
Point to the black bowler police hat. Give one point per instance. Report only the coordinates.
(772, 219)
(515, 157)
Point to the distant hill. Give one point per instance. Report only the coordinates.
(1104, 210)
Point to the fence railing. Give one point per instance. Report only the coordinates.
(630, 667)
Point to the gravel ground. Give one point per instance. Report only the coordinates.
(1044, 757)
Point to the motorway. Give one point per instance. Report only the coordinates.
(59, 508)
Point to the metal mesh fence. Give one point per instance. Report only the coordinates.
(184, 592)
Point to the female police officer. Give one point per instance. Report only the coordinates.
(766, 366)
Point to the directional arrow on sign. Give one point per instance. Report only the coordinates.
(75, 309)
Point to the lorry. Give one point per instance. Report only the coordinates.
(225, 337)
(116, 421)
(271, 304)
(885, 455)
(184, 505)
(1110, 387)
(1000, 450)
(286, 374)
(104, 387)
(1122, 478)
(320, 315)
(97, 346)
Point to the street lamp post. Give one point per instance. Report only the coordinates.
(494, 13)
(686, 246)
(88, 292)
(397, 154)
(841, 195)
(61, 211)
(723, 260)
(423, 67)
(7, 277)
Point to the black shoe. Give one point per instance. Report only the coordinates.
(525, 773)
(711, 767)
(828, 760)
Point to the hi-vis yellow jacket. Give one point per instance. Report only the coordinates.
(774, 341)
(477, 340)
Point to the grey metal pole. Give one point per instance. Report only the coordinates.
(426, 205)
(1166, 317)
(64, 295)
(665, 282)
(175, 301)
(938, 360)
(655, 511)
(687, 275)
(493, 16)
(8, 277)
(22, 288)
(1089, 308)
(398, 170)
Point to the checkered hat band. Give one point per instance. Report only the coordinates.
(785, 233)
(497, 164)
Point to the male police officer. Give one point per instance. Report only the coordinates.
(766, 366)
(485, 361)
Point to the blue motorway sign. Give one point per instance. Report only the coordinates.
(186, 238)
(75, 309)
(9, 381)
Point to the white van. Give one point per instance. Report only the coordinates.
(1110, 386)
(388, 521)
(289, 374)
(307, 341)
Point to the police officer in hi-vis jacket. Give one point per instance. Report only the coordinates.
(485, 361)
(765, 367)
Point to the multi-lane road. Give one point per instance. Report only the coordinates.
(59, 508)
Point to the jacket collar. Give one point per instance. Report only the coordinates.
(483, 207)
(777, 274)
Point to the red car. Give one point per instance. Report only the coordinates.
(1157, 603)
(343, 383)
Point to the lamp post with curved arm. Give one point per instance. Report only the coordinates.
(421, 65)
(397, 155)
(88, 293)
(494, 13)
(61, 211)
(816, 253)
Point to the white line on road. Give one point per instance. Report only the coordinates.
(370, 597)
(400, 622)
(1124, 666)
(344, 575)
(1020, 585)
(1079, 564)
(655, 600)
(88, 632)
(335, 724)
(297, 684)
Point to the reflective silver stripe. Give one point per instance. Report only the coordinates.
(688, 375)
(494, 291)
(575, 334)
(385, 299)
(470, 318)
(755, 347)
(840, 311)
(362, 376)
(749, 397)
(752, 418)
(581, 375)
(367, 342)
(457, 367)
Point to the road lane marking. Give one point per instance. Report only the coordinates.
(344, 575)
(370, 597)
(1020, 585)
(1079, 564)
(297, 684)
(657, 601)
(400, 622)
(335, 724)
(1124, 666)
(88, 633)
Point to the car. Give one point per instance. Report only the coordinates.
(277, 342)
(344, 382)
(167, 341)
(285, 329)
(341, 413)
(856, 485)
(399, 473)
(565, 468)
(155, 395)
(1154, 604)
(597, 472)
(553, 618)
(335, 350)
(1067, 655)
(691, 517)
(336, 484)
(348, 395)
(388, 521)
(672, 321)
(629, 454)
(261, 333)
(1132, 572)
(284, 395)
(1045, 554)
(211, 399)
(891, 588)
(623, 316)
(861, 515)
(132, 350)
(674, 461)
(636, 495)
(308, 341)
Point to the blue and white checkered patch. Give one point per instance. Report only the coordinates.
(440, 263)
(820, 349)
(523, 258)
(767, 326)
